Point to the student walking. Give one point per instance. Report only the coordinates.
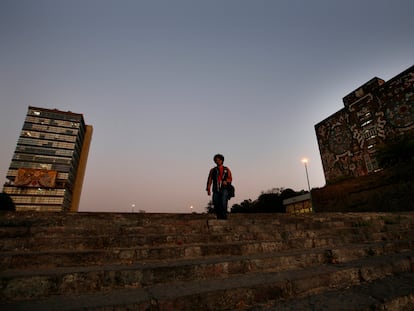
(220, 178)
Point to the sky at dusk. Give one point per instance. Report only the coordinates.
(168, 84)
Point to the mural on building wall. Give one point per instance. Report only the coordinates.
(398, 103)
(29, 177)
(377, 110)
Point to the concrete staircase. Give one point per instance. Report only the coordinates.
(105, 261)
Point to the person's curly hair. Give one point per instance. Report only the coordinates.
(219, 156)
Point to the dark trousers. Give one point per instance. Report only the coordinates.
(220, 199)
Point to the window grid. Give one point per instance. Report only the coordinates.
(46, 143)
(50, 129)
(46, 121)
(37, 200)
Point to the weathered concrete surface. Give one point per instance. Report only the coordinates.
(391, 293)
(86, 261)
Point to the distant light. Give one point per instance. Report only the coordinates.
(304, 160)
(133, 205)
(191, 207)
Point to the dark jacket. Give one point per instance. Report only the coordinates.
(213, 178)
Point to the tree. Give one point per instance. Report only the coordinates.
(247, 206)
(210, 207)
(289, 193)
(6, 202)
(270, 201)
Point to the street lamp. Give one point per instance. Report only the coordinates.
(305, 162)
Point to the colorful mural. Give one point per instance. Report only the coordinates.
(29, 177)
(348, 139)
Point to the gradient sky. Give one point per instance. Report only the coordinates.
(167, 84)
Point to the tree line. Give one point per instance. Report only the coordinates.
(270, 201)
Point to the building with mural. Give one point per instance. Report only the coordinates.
(348, 140)
(48, 166)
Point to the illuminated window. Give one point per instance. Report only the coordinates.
(366, 123)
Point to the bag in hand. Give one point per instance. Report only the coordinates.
(231, 191)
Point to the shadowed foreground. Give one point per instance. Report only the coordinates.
(106, 261)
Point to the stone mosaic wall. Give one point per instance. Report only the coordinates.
(348, 139)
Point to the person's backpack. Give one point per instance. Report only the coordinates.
(229, 187)
(231, 191)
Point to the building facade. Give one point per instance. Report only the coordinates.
(48, 166)
(299, 204)
(349, 138)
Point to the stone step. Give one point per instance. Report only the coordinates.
(390, 293)
(167, 230)
(118, 255)
(17, 284)
(240, 291)
(33, 218)
(72, 238)
(187, 223)
(187, 262)
(138, 248)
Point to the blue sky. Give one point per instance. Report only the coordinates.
(167, 84)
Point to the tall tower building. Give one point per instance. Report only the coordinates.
(48, 165)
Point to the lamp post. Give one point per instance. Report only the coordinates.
(305, 162)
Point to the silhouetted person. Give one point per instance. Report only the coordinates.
(220, 177)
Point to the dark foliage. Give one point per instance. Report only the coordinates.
(6, 202)
(268, 202)
(210, 207)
